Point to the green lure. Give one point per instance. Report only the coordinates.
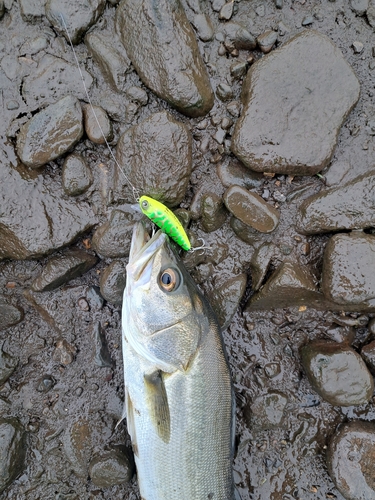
(165, 219)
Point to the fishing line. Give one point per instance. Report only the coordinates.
(136, 193)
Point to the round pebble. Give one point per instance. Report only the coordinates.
(97, 132)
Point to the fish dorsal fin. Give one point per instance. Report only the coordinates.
(157, 402)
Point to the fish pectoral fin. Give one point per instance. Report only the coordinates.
(157, 403)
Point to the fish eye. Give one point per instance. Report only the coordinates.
(169, 280)
(145, 204)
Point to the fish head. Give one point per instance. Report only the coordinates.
(163, 311)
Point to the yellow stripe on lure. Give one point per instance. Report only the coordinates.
(165, 219)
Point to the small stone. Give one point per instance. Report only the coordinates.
(222, 50)
(251, 209)
(217, 4)
(359, 7)
(102, 355)
(350, 457)
(272, 370)
(357, 47)
(97, 133)
(64, 352)
(113, 467)
(50, 133)
(337, 373)
(279, 4)
(112, 282)
(259, 264)
(34, 46)
(336, 172)
(202, 23)
(9, 315)
(63, 268)
(94, 298)
(83, 304)
(138, 95)
(266, 412)
(213, 212)
(8, 364)
(45, 383)
(76, 175)
(32, 10)
(226, 11)
(307, 21)
(13, 447)
(260, 10)
(234, 109)
(225, 299)
(368, 354)
(238, 37)
(11, 105)
(219, 135)
(266, 41)
(224, 92)
(245, 232)
(226, 123)
(238, 69)
(112, 239)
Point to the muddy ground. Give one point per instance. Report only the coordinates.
(69, 403)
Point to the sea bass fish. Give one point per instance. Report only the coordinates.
(178, 392)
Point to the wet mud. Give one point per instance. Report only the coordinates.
(282, 281)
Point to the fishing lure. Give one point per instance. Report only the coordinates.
(165, 219)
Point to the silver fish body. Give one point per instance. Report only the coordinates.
(178, 392)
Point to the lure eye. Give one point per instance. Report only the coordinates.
(169, 280)
(145, 204)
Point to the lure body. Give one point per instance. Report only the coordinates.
(165, 219)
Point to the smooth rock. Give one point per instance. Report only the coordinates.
(217, 4)
(213, 212)
(34, 46)
(225, 299)
(8, 364)
(351, 206)
(45, 383)
(32, 10)
(113, 281)
(12, 450)
(34, 219)
(292, 134)
(77, 443)
(238, 69)
(266, 411)
(368, 354)
(64, 352)
(239, 36)
(115, 466)
(233, 172)
(163, 49)
(267, 40)
(259, 264)
(76, 175)
(347, 276)
(202, 23)
(350, 460)
(137, 95)
(226, 11)
(336, 172)
(357, 47)
(102, 355)
(62, 269)
(337, 373)
(224, 92)
(111, 57)
(289, 286)
(112, 239)
(359, 6)
(78, 16)
(251, 209)
(53, 79)
(156, 157)
(340, 334)
(101, 133)
(50, 133)
(9, 315)
(245, 232)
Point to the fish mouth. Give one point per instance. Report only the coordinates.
(142, 250)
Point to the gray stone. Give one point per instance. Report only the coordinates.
(32, 10)
(357, 47)
(111, 57)
(8, 364)
(97, 133)
(368, 354)
(217, 4)
(292, 134)
(156, 158)
(289, 286)
(163, 49)
(213, 212)
(53, 79)
(347, 276)
(238, 69)
(34, 219)
(226, 11)
(350, 459)
(245, 232)
(12, 450)
(9, 315)
(113, 281)
(225, 299)
(34, 46)
(251, 209)
(337, 373)
(112, 239)
(224, 92)
(267, 40)
(266, 411)
(233, 172)
(102, 355)
(203, 25)
(336, 172)
(115, 466)
(77, 443)
(64, 352)
(359, 6)
(62, 269)
(351, 206)
(137, 95)
(259, 264)
(50, 133)
(239, 36)
(76, 175)
(78, 16)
